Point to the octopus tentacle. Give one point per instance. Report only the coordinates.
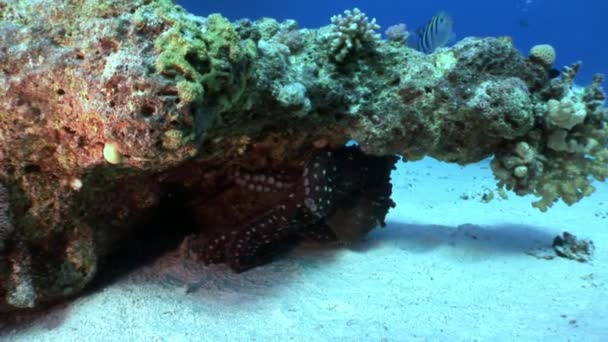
(263, 182)
(253, 244)
(314, 204)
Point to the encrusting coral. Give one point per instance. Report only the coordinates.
(114, 113)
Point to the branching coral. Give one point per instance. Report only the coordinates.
(567, 112)
(559, 158)
(351, 33)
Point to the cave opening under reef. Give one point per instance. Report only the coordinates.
(244, 218)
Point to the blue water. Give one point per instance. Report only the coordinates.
(574, 28)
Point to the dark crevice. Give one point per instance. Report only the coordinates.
(161, 232)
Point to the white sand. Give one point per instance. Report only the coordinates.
(444, 269)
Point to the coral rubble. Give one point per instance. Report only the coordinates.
(111, 112)
(569, 247)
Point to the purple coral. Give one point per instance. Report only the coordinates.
(397, 33)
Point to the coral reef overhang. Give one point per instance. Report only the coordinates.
(113, 112)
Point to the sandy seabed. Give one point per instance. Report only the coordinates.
(447, 267)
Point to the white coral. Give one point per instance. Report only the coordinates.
(294, 95)
(350, 32)
(567, 112)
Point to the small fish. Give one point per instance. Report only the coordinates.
(436, 33)
(524, 5)
(523, 22)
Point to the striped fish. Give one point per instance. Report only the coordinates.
(435, 33)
